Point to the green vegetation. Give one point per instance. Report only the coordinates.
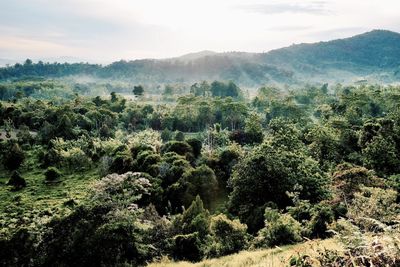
(280, 256)
(107, 179)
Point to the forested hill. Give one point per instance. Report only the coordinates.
(373, 56)
(368, 53)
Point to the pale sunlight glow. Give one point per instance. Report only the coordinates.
(105, 31)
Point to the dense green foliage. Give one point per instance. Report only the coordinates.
(113, 180)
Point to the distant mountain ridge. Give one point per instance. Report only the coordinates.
(377, 49)
(372, 56)
(195, 55)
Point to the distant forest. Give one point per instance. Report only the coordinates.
(370, 57)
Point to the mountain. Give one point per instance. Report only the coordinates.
(378, 49)
(373, 56)
(196, 55)
(375, 52)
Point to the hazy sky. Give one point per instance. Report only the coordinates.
(109, 30)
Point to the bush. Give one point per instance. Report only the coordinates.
(173, 171)
(52, 174)
(121, 188)
(105, 163)
(361, 249)
(280, 229)
(381, 155)
(188, 247)
(196, 145)
(179, 136)
(228, 236)
(166, 135)
(347, 180)
(24, 136)
(314, 218)
(373, 206)
(322, 216)
(102, 231)
(13, 157)
(74, 158)
(200, 181)
(160, 233)
(394, 183)
(138, 148)
(192, 228)
(267, 174)
(147, 161)
(180, 147)
(17, 181)
(121, 163)
(89, 236)
(18, 250)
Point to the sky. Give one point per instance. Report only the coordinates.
(103, 31)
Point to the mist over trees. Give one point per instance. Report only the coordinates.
(193, 158)
(370, 57)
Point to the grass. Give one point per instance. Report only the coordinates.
(274, 257)
(38, 202)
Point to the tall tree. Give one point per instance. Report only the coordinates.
(138, 90)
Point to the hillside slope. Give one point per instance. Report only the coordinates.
(275, 257)
(374, 56)
(372, 52)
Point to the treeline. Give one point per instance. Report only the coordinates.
(156, 71)
(30, 70)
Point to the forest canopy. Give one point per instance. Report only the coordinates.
(201, 171)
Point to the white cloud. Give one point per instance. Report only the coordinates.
(105, 30)
(279, 7)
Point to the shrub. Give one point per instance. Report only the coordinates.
(19, 249)
(174, 171)
(361, 249)
(75, 158)
(187, 247)
(180, 147)
(192, 228)
(381, 155)
(347, 180)
(195, 219)
(267, 174)
(96, 234)
(314, 218)
(17, 181)
(121, 163)
(228, 236)
(138, 148)
(301, 212)
(105, 163)
(52, 174)
(24, 136)
(196, 145)
(147, 161)
(200, 181)
(166, 135)
(159, 234)
(322, 216)
(149, 138)
(13, 157)
(280, 229)
(394, 183)
(121, 188)
(179, 136)
(373, 206)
